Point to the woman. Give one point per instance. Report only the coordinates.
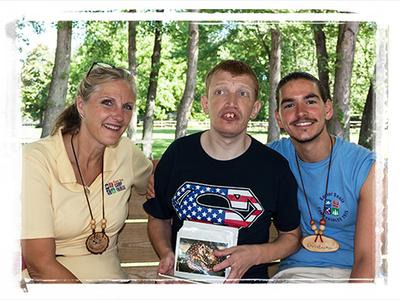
(76, 184)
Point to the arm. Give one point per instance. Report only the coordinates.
(364, 241)
(159, 231)
(242, 257)
(40, 260)
(150, 188)
(37, 230)
(142, 170)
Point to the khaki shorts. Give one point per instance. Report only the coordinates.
(311, 275)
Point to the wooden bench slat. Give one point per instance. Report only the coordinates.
(134, 244)
(142, 274)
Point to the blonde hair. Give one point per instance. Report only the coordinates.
(69, 120)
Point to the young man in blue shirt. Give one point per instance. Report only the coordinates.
(335, 188)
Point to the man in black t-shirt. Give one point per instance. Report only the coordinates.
(223, 176)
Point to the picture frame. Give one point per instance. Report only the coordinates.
(194, 253)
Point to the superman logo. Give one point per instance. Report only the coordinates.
(232, 206)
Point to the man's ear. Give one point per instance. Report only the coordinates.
(278, 119)
(328, 109)
(204, 103)
(255, 110)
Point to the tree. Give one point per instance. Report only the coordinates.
(274, 77)
(152, 91)
(36, 79)
(132, 69)
(185, 105)
(372, 127)
(322, 57)
(59, 82)
(344, 66)
(367, 136)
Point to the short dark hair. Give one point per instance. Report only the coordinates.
(300, 75)
(235, 67)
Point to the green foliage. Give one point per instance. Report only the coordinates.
(107, 41)
(363, 69)
(104, 42)
(298, 48)
(35, 78)
(246, 42)
(171, 76)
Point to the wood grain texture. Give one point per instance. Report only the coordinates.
(142, 274)
(134, 244)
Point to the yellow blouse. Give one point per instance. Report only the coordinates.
(54, 204)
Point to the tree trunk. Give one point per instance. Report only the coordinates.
(274, 77)
(132, 69)
(59, 80)
(322, 57)
(367, 132)
(185, 106)
(152, 91)
(344, 66)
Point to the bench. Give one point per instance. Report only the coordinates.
(137, 256)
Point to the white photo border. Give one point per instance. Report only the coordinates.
(384, 13)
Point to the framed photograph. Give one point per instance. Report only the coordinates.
(194, 253)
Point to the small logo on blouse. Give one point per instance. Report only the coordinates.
(114, 186)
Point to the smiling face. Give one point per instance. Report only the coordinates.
(302, 112)
(231, 102)
(107, 113)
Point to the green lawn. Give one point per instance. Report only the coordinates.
(162, 137)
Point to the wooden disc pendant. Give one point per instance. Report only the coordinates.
(318, 243)
(97, 242)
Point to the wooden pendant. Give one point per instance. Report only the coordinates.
(97, 242)
(318, 243)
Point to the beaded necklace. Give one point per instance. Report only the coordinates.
(315, 242)
(96, 242)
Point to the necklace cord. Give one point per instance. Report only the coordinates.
(83, 183)
(327, 177)
(326, 183)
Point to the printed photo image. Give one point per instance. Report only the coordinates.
(197, 257)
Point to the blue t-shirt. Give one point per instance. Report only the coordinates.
(350, 166)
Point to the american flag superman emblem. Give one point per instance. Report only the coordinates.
(232, 206)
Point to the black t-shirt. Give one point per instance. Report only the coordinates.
(245, 192)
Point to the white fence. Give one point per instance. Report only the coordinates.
(30, 133)
(253, 125)
(201, 124)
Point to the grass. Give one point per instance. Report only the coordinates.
(159, 147)
(163, 137)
